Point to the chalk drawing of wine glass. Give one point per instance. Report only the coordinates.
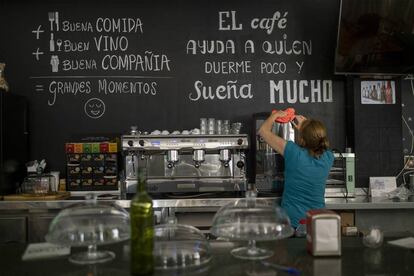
(59, 43)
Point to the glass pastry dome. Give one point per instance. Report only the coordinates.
(90, 224)
(178, 246)
(251, 219)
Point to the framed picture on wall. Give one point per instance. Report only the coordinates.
(378, 92)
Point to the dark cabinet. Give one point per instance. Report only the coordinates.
(25, 227)
(13, 229)
(38, 225)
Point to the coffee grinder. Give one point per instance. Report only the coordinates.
(266, 165)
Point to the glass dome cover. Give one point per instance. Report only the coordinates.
(251, 219)
(178, 246)
(90, 223)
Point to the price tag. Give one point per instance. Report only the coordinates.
(44, 250)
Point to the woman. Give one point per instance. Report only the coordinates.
(307, 164)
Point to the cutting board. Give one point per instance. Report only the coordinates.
(31, 197)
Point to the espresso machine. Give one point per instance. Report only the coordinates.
(186, 163)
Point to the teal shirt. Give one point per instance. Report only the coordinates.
(305, 179)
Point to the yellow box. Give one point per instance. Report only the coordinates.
(113, 147)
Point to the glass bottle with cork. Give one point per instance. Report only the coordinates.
(142, 228)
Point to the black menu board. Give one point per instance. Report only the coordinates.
(96, 67)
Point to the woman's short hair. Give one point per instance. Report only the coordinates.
(314, 137)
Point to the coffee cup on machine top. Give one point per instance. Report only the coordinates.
(203, 125)
(211, 126)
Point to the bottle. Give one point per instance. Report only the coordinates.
(142, 229)
(301, 229)
(52, 43)
(388, 93)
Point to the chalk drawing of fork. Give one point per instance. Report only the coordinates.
(51, 19)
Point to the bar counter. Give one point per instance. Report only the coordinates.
(358, 202)
(355, 260)
(28, 221)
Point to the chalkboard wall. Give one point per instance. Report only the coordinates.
(96, 67)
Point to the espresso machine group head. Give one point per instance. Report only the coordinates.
(186, 163)
(172, 158)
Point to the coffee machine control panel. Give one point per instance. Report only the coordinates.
(169, 142)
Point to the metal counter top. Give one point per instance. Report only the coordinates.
(357, 203)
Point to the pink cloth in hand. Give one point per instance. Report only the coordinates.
(290, 115)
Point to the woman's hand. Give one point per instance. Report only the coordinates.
(277, 114)
(265, 131)
(299, 119)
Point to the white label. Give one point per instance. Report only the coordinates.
(380, 186)
(326, 236)
(44, 250)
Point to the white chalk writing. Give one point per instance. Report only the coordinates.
(147, 62)
(73, 87)
(119, 25)
(79, 64)
(293, 91)
(68, 26)
(70, 46)
(108, 43)
(231, 90)
(227, 67)
(268, 24)
(228, 22)
(127, 87)
(107, 25)
(285, 47)
(210, 47)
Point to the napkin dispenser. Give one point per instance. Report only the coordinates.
(323, 233)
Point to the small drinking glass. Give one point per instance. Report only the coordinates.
(226, 127)
(219, 127)
(236, 127)
(211, 125)
(203, 126)
(374, 238)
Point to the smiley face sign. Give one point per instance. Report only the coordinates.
(94, 108)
